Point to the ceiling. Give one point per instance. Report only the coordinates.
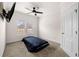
(21, 6)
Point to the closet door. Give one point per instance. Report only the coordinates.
(67, 36)
(69, 41)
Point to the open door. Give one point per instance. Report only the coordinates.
(2, 33)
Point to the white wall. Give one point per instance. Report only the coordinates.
(49, 24)
(12, 35)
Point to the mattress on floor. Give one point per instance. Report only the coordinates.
(34, 44)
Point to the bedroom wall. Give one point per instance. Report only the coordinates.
(13, 35)
(49, 24)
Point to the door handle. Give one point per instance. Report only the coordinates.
(76, 32)
(75, 10)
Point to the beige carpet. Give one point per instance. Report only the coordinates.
(18, 49)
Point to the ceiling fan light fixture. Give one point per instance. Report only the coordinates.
(35, 14)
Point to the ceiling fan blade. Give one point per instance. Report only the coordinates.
(29, 12)
(28, 9)
(37, 8)
(39, 12)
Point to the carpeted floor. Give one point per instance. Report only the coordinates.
(18, 49)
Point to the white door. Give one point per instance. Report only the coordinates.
(2, 33)
(69, 41)
(75, 30)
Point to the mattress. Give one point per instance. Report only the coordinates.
(34, 44)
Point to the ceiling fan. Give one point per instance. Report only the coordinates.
(34, 10)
